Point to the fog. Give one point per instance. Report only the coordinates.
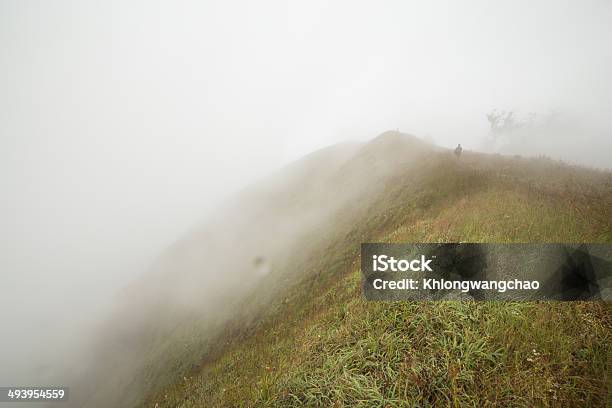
(124, 123)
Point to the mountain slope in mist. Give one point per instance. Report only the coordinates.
(208, 328)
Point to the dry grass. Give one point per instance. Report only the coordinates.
(320, 344)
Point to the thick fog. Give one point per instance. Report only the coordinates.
(123, 123)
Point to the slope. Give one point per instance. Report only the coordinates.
(321, 344)
(303, 335)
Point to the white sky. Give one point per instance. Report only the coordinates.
(123, 122)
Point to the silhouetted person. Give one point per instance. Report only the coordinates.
(458, 150)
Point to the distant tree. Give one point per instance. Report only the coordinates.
(506, 127)
(502, 122)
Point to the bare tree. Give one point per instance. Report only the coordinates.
(502, 122)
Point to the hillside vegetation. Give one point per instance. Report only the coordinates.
(319, 343)
(304, 336)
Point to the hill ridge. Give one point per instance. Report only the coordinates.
(424, 194)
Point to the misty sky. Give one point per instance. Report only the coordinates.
(123, 122)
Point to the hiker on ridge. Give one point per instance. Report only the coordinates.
(458, 150)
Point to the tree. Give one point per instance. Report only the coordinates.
(502, 122)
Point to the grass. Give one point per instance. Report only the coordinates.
(319, 343)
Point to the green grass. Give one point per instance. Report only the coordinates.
(321, 344)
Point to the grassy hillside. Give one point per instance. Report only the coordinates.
(306, 337)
